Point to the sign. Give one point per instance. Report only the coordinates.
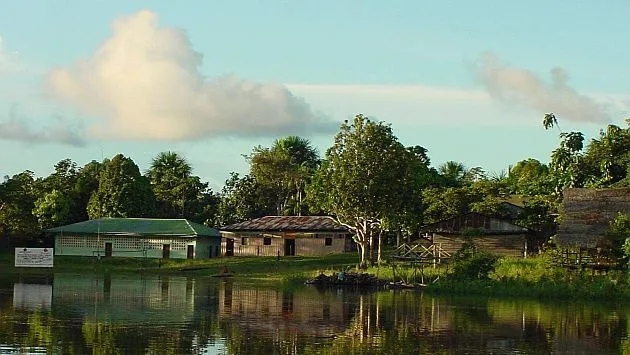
(34, 257)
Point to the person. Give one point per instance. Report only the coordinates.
(341, 276)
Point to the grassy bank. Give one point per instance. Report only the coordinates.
(290, 269)
(510, 277)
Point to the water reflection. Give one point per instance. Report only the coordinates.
(114, 314)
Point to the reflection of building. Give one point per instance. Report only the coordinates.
(268, 310)
(137, 237)
(125, 297)
(286, 235)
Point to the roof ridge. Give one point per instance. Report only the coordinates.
(191, 227)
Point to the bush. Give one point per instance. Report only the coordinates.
(477, 266)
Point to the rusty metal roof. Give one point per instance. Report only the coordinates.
(288, 224)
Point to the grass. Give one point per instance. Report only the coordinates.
(529, 278)
(287, 269)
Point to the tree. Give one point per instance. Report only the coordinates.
(122, 191)
(453, 173)
(86, 185)
(52, 209)
(173, 185)
(17, 200)
(241, 199)
(529, 177)
(283, 172)
(362, 178)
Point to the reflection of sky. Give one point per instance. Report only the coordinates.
(32, 296)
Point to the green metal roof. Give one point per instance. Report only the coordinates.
(138, 227)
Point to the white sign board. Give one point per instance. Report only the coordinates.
(34, 257)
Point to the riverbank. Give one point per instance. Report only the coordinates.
(288, 269)
(529, 278)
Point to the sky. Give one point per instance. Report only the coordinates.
(469, 81)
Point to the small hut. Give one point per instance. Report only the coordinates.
(496, 235)
(586, 215)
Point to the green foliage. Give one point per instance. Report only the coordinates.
(242, 198)
(17, 201)
(620, 234)
(122, 191)
(468, 263)
(367, 178)
(283, 171)
(178, 193)
(477, 266)
(530, 177)
(52, 209)
(538, 214)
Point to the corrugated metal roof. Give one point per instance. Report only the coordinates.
(138, 226)
(288, 224)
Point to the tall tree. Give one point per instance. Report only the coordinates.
(170, 178)
(283, 172)
(241, 199)
(17, 200)
(52, 209)
(122, 191)
(362, 178)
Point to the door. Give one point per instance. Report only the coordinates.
(289, 247)
(166, 251)
(108, 250)
(191, 252)
(229, 247)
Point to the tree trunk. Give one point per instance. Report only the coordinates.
(380, 246)
(371, 239)
(362, 246)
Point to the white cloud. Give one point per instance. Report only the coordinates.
(144, 83)
(16, 128)
(513, 85)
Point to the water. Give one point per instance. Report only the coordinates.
(83, 314)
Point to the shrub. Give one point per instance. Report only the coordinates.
(477, 266)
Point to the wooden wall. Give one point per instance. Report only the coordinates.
(306, 244)
(586, 214)
(503, 245)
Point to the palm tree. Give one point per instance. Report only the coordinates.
(169, 175)
(454, 172)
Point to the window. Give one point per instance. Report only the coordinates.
(267, 241)
(243, 240)
(328, 242)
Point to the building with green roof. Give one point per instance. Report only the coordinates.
(138, 238)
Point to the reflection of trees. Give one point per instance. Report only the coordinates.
(267, 320)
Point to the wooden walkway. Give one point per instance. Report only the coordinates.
(417, 253)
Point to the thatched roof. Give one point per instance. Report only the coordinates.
(586, 214)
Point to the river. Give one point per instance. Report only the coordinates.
(140, 314)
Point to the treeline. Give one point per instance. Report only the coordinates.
(367, 180)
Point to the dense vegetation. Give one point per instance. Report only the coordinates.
(367, 180)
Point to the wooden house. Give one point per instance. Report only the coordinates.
(497, 236)
(586, 215)
(286, 236)
(138, 238)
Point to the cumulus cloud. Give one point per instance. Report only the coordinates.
(523, 87)
(16, 128)
(144, 82)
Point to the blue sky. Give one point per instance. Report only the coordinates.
(470, 81)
